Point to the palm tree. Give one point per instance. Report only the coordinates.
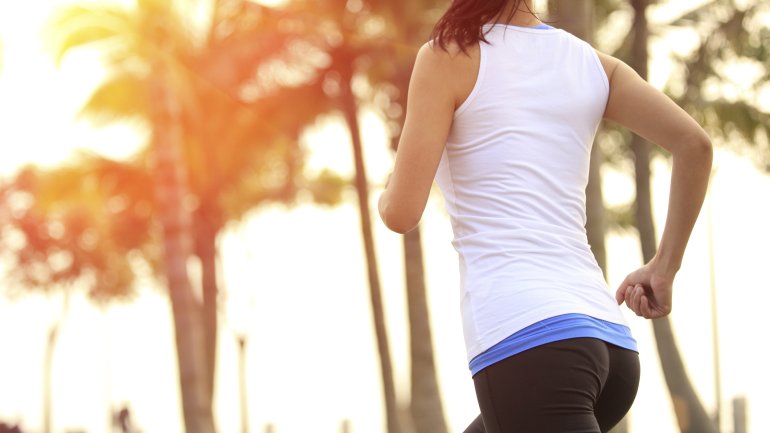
(731, 34)
(689, 410)
(343, 60)
(171, 190)
(409, 24)
(153, 35)
(196, 90)
(59, 242)
(235, 140)
(344, 50)
(390, 57)
(737, 123)
(348, 47)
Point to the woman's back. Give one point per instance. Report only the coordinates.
(519, 146)
(513, 174)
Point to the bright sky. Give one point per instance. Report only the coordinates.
(125, 354)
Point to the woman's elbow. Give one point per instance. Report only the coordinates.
(398, 220)
(400, 224)
(702, 149)
(696, 148)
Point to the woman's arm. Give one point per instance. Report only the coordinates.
(649, 113)
(438, 82)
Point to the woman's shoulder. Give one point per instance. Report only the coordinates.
(449, 54)
(456, 69)
(615, 67)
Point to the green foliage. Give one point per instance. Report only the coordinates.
(703, 82)
(728, 35)
(327, 188)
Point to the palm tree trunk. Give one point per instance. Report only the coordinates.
(690, 414)
(349, 108)
(426, 409)
(170, 181)
(206, 250)
(53, 333)
(596, 225)
(242, 396)
(50, 346)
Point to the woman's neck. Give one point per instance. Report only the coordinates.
(523, 16)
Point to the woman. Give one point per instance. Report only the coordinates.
(502, 112)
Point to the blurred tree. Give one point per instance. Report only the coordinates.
(728, 36)
(343, 39)
(75, 226)
(376, 42)
(721, 79)
(56, 232)
(193, 95)
(146, 46)
(690, 413)
(407, 26)
(349, 33)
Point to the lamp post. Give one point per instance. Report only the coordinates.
(714, 309)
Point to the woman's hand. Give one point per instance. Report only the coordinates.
(647, 291)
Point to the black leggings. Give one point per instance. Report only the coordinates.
(580, 385)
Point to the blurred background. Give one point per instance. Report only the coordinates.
(188, 240)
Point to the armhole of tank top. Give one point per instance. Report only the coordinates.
(602, 73)
(479, 78)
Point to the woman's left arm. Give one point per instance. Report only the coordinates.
(431, 104)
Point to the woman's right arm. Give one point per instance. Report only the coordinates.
(646, 111)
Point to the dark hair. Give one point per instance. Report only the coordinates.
(463, 23)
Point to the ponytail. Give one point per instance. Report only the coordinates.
(463, 23)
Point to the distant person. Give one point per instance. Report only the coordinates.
(123, 420)
(5, 428)
(502, 112)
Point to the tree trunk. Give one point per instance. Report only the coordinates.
(171, 188)
(242, 396)
(425, 407)
(690, 414)
(596, 226)
(50, 345)
(350, 111)
(574, 16)
(206, 228)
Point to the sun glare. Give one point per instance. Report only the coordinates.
(39, 104)
(272, 3)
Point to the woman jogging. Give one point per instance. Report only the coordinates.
(502, 112)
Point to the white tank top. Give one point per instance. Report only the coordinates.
(514, 174)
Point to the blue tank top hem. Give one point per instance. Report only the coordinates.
(554, 329)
